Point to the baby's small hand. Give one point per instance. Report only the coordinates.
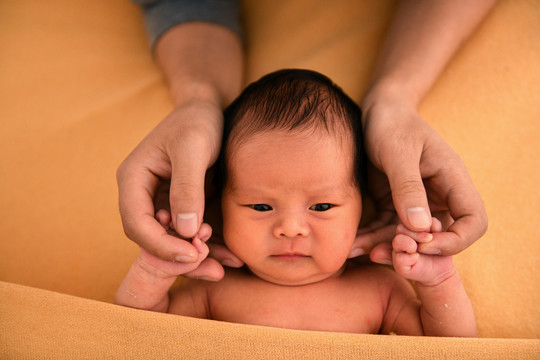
(425, 269)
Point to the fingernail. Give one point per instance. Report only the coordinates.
(206, 278)
(356, 252)
(187, 224)
(228, 262)
(419, 217)
(424, 237)
(384, 261)
(185, 259)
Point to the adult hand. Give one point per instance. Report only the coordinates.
(154, 266)
(424, 176)
(180, 148)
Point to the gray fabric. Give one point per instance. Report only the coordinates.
(161, 15)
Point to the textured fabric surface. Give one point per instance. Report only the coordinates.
(39, 324)
(79, 90)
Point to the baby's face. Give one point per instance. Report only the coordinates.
(290, 207)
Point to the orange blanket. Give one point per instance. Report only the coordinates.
(79, 90)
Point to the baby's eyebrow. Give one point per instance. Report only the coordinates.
(340, 191)
(335, 189)
(248, 191)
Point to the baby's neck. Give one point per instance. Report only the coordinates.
(333, 276)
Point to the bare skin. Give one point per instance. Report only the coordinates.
(294, 226)
(203, 81)
(417, 173)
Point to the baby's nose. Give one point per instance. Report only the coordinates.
(291, 225)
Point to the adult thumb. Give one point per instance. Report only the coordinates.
(409, 195)
(187, 196)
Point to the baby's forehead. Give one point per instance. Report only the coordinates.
(296, 147)
(338, 131)
(271, 140)
(289, 164)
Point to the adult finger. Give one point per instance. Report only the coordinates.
(136, 190)
(187, 191)
(408, 192)
(365, 241)
(382, 254)
(209, 270)
(222, 254)
(470, 220)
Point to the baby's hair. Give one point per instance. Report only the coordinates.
(289, 100)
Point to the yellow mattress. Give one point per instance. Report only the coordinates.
(79, 89)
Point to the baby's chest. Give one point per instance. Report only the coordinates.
(303, 308)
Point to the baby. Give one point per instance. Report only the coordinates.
(292, 180)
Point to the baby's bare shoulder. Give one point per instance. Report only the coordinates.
(379, 276)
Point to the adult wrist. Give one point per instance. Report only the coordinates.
(188, 91)
(388, 91)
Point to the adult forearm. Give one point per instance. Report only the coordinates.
(201, 61)
(423, 37)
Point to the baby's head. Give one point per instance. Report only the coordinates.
(295, 101)
(292, 165)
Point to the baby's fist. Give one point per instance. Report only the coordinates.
(164, 268)
(426, 269)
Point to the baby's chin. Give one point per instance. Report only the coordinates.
(295, 280)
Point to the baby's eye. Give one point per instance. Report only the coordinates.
(261, 207)
(321, 207)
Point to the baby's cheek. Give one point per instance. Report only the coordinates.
(334, 258)
(240, 241)
(230, 238)
(330, 265)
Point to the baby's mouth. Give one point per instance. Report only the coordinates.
(290, 256)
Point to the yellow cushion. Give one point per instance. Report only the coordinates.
(79, 90)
